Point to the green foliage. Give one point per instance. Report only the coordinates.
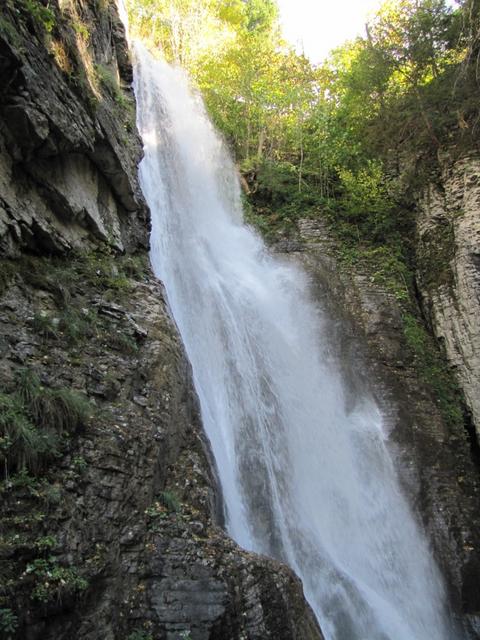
(43, 15)
(170, 501)
(45, 543)
(22, 445)
(82, 29)
(109, 79)
(8, 622)
(167, 505)
(365, 200)
(79, 463)
(44, 325)
(135, 266)
(385, 266)
(77, 324)
(433, 369)
(34, 422)
(10, 33)
(60, 410)
(139, 634)
(53, 581)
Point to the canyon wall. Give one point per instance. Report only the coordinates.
(110, 520)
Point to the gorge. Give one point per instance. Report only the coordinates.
(304, 478)
(324, 450)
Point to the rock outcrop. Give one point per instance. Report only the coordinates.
(110, 520)
(448, 271)
(68, 143)
(118, 536)
(435, 460)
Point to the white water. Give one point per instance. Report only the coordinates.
(303, 479)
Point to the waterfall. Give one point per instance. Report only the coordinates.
(304, 478)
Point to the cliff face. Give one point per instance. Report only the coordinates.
(448, 274)
(109, 502)
(68, 146)
(435, 461)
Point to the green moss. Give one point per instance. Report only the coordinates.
(123, 342)
(7, 269)
(9, 32)
(386, 266)
(170, 501)
(43, 324)
(433, 370)
(77, 325)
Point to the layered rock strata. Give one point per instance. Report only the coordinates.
(448, 273)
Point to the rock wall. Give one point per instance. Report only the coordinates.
(109, 527)
(435, 460)
(117, 535)
(68, 144)
(448, 268)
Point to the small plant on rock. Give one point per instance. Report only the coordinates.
(140, 634)
(8, 623)
(170, 501)
(34, 421)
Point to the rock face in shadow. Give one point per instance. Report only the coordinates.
(113, 531)
(448, 257)
(118, 534)
(68, 144)
(436, 465)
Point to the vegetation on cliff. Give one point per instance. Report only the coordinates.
(349, 140)
(328, 136)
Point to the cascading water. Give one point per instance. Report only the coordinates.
(303, 479)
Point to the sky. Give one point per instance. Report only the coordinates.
(317, 26)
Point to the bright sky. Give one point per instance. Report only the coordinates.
(317, 26)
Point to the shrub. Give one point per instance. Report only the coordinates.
(123, 342)
(42, 15)
(53, 580)
(77, 325)
(34, 421)
(109, 80)
(22, 446)
(170, 501)
(44, 325)
(8, 622)
(60, 410)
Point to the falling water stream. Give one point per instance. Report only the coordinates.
(304, 479)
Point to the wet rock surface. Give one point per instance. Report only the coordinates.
(436, 465)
